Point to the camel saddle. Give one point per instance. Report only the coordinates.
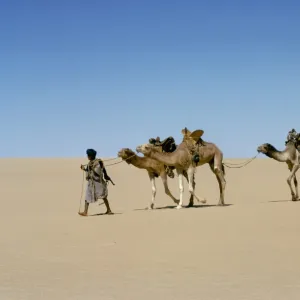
(167, 145)
(194, 136)
(193, 141)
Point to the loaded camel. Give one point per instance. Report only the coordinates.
(191, 153)
(290, 155)
(154, 169)
(169, 145)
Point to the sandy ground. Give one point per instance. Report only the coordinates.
(247, 250)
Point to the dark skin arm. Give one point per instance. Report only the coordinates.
(106, 177)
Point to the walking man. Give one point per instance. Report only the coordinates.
(97, 182)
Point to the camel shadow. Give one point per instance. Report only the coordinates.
(184, 207)
(207, 205)
(278, 201)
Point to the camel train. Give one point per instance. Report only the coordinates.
(161, 158)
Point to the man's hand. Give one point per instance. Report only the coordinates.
(107, 178)
(81, 167)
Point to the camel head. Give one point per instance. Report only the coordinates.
(266, 148)
(145, 149)
(126, 154)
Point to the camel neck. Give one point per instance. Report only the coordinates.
(277, 155)
(138, 162)
(168, 159)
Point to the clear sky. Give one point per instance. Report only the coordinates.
(111, 74)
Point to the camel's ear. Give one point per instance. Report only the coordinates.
(196, 134)
(185, 131)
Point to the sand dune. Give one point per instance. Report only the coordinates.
(247, 250)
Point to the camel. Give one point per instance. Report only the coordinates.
(290, 155)
(191, 153)
(154, 169)
(169, 145)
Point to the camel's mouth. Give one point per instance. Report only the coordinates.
(138, 149)
(144, 149)
(261, 149)
(121, 154)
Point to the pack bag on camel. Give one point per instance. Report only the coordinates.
(295, 137)
(168, 144)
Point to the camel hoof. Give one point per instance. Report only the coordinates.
(178, 207)
(203, 201)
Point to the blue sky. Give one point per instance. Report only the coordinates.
(112, 74)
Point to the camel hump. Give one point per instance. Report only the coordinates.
(196, 134)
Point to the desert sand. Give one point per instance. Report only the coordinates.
(249, 249)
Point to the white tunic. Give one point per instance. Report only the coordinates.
(97, 186)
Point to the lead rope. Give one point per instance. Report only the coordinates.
(240, 165)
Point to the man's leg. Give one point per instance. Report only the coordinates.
(86, 207)
(108, 212)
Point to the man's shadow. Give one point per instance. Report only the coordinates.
(104, 214)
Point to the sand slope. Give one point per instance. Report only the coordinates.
(248, 250)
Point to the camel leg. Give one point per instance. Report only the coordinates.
(295, 182)
(217, 170)
(289, 180)
(191, 203)
(181, 189)
(153, 186)
(164, 179)
(296, 187)
(191, 175)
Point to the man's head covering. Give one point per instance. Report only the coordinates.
(91, 153)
